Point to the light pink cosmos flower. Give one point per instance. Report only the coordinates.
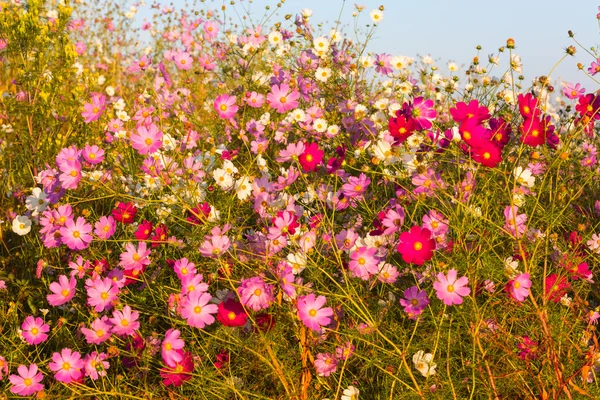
(519, 287)
(101, 293)
(125, 322)
(514, 223)
(76, 234)
(225, 106)
(135, 259)
(67, 366)
(292, 151)
(281, 99)
(27, 382)
(197, 310)
(449, 289)
(147, 139)
(217, 245)
(363, 262)
(93, 154)
(105, 227)
(183, 60)
(254, 100)
(140, 65)
(255, 293)
(171, 347)
(311, 311)
(325, 364)
(211, 29)
(63, 291)
(95, 365)
(356, 186)
(34, 330)
(99, 331)
(92, 111)
(192, 282)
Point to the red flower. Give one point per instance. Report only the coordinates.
(556, 287)
(401, 128)
(474, 134)
(143, 231)
(533, 132)
(198, 214)
(500, 131)
(160, 235)
(231, 313)
(488, 155)
(125, 212)
(416, 246)
(311, 157)
(179, 373)
(473, 110)
(528, 106)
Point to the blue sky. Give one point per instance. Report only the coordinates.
(450, 30)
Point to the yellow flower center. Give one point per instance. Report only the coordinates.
(27, 381)
(34, 331)
(257, 292)
(231, 315)
(65, 292)
(450, 288)
(197, 309)
(282, 99)
(168, 346)
(66, 366)
(417, 246)
(517, 284)
(76, 234)
(99, 333)
(104, 295)
(312, 312)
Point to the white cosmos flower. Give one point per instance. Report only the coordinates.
(21, 225)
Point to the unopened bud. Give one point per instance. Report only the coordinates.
(510, 43)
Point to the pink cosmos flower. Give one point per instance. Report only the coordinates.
(255, 293)
(217, 245)
(27, 382)
(71, 174)
(125, 322)
(414, 301)
(416, 246)
(449, 289)
(292, 151)
(76, 235)
(183, 268)
(180, 372)
(147, 140)
(311, 311)
(311, 158)
(422, 112)
(95, 365)
(387, 273)
(101, 293)
(463, 111)
(573, 92)
(140, 65)
(197, 310)
(67, 366)
(325, 364)
(135, 259)
(514, 223)
(356, 186)
(93, 154)
(92, 111)
(254, 100)
(63, 290)
(211, 29)
(183, 60)
(281, 99)
(3, 367)
(363, 262)
(519, 287)
(225, 106)
(34, 330)
(191, 282)
(99, 331)
(171, 348)
(105, 227)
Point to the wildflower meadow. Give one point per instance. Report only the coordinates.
(212, 205)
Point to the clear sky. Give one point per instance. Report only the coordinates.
(449, 30)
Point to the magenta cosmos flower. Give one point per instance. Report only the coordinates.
(125, 322)
(281, 99)
(231, 313)
(197, 311)
(311, 157)
(519, 287)
(125, 212)
(225, 106)
(27, 382)
(311, 311)
(147, 139)
(76, 234)
(34, 330)
(67, 366)
(449, 289)
(414, 301)
(416, 246)
(63, 291)
(180, 372)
